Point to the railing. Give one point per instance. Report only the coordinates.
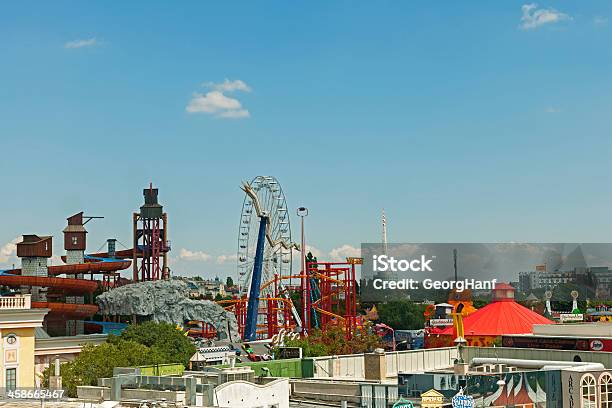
(15, 302)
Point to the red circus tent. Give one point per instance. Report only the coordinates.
(502, 316)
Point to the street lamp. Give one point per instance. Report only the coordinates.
(302, 212)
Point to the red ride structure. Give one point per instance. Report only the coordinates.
(276, 314)
(331, 300)
(151, 243)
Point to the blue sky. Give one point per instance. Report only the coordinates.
(467, 121)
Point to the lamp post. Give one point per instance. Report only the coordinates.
(302, 212)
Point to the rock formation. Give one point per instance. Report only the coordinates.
(167, 301)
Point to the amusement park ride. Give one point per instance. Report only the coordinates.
(265, 307)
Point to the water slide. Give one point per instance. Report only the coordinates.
(72, 286)
(93, 265)
(102, 266)
(121, 254)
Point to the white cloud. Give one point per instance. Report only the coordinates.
(552, 109)
(221, 259)
(90, 42)
(9, 250)
(188, 255)
(600, 21)
(316, 252)
(217, 103)
(229, 86)
(341, 253)
(235, 114)
(212, 102)
(533, 17)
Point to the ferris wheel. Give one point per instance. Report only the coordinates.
(264, 196)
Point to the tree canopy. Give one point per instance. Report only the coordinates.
(402, 314)
(162, 338)
(334, 342)
(143, 344)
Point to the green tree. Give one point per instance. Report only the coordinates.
(162, 338)
(309, 347)
(334, 342)
(229, 282)
(98, 362)
(218, 297)
(402, 314)
(480, 302)
(143, 344)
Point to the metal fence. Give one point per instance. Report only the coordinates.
(352, 366)
(378, 395)
(602, 357)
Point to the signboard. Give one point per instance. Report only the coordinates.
(463, 401)
(354, 261)
(289, 352)
(571, 317)
(554, 343)
(402, 403)
(432, 399)
(441, 322)
(596, 345)
(558, 343)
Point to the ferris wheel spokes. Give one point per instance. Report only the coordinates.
(264, 197)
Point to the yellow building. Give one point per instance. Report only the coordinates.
(433, 399)
(18, 323)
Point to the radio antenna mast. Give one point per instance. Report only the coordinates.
(384, 232)
(455, 262)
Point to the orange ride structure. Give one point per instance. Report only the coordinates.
(330, 298)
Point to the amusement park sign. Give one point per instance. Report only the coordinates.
(462, 401)
(402, 403)
(441, 322)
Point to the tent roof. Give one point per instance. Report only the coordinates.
(501, 317)
(197, 357)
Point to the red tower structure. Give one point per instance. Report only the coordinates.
(150, 239)
(332, 295)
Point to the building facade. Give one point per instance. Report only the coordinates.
(18, 324)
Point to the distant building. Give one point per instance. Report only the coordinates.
(528, 281)
(597, 277)
(206, 288)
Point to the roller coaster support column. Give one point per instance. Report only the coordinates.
(250, 331)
